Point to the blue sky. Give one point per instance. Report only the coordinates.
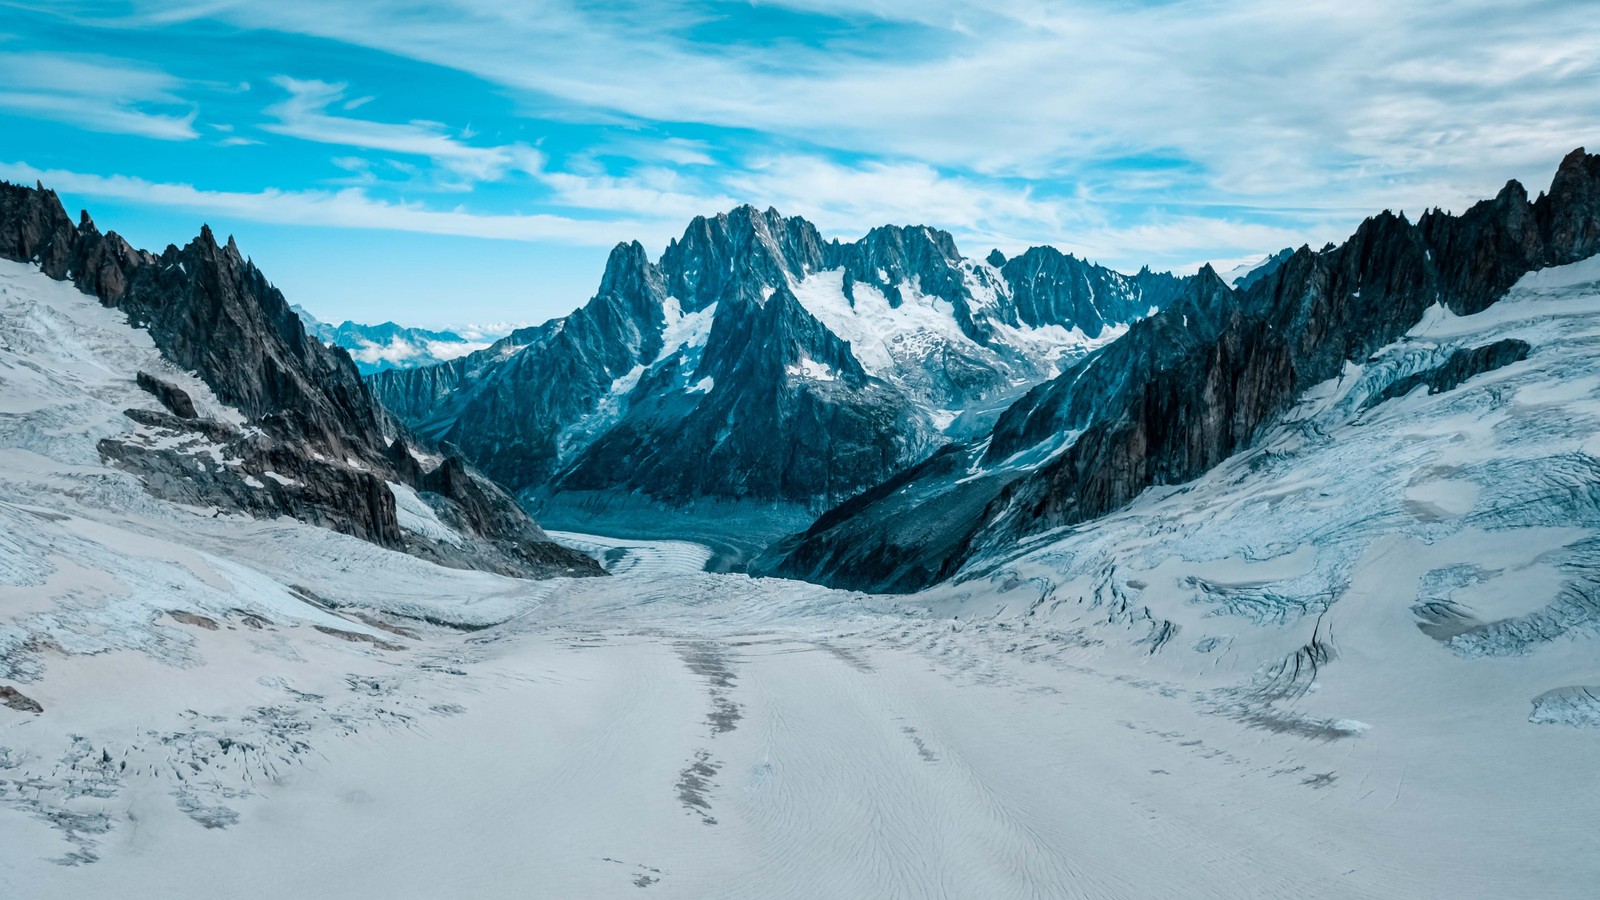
(471, 161)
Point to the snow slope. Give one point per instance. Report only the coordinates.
(907, 344)
(1222, 691)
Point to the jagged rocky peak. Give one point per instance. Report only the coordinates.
(721, 257)
(1197, 382)
(1051, 287)
(924, 258)
(315, 446)
(630, 273)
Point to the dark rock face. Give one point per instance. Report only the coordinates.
(174, 398)
(1462, 365)
(315, 424)
(15, 699)
(749, 435)
(724, 256)
(1052, 287)
(319, 493)
(705, 375)
(1197, 382)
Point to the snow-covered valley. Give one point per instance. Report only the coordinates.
(1356, 661)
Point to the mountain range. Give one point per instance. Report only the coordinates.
(756, 370)
(376, 348)
(1198, 382)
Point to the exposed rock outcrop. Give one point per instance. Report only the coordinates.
(316, 446)
(174, 398)
(1461, 365)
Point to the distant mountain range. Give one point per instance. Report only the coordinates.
(755, 363)
(376, 348)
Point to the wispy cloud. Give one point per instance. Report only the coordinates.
(96, 94)
(1130, 132)
(1330, 101)
(348, 208)
(304, 115)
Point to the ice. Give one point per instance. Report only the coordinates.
(684, 331)
(416, 516)
(815, 371)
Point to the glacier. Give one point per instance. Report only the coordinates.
(1356, 660)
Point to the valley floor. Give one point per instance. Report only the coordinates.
(1358, 661)
(695, 735)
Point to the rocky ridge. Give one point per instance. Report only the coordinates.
(310, 441)
(1197, 382)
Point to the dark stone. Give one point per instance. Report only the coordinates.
(1461, 365)
(174, 398)
(210, 429)
(11, 697)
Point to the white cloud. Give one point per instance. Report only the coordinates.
(660, 191)
(448, 350)
(1286, 122)
(845, 199)
(1328, 102)
(304, 115)
(400, 351)
(96, 94)
(348, 208)
(487, 332)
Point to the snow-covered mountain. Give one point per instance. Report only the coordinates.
(375, 348)
(1213, 374)
(197, 378)
(1245, 274)
(756, 363)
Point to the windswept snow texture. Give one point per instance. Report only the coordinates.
(1359, 661)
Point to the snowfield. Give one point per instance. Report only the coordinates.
(1359, 661)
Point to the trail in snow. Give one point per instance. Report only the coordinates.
(709, 735)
